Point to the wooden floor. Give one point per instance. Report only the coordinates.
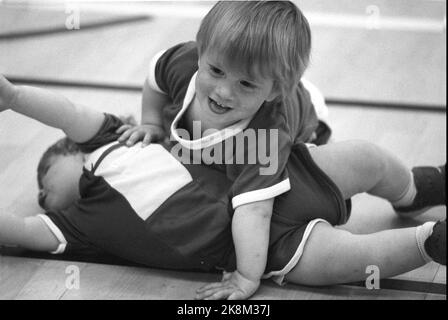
(376, 65)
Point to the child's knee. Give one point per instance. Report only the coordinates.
(370, 160)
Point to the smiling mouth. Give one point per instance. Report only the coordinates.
(217, 108)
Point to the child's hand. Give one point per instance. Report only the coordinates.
(146, 132)
(7, 93)
(233, 286)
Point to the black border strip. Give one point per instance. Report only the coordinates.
(138, 88)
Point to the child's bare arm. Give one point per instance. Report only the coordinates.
(80, 123)
(250, 230)
(151, 128)
(26, 232)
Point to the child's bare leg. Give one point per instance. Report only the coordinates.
(333, 256)
(358, 166)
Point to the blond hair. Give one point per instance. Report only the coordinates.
(272, 38)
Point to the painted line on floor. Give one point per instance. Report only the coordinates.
(138, 88)
(408, 285)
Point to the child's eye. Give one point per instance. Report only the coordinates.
(216, 71)
(247, 84)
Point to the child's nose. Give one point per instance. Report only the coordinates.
(224, 91)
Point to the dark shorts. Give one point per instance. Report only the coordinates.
(313, 196)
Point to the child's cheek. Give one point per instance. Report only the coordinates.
(203, 84)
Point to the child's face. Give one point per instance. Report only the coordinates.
(225, 95)
(60, 183)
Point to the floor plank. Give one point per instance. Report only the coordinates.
(47, 280)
